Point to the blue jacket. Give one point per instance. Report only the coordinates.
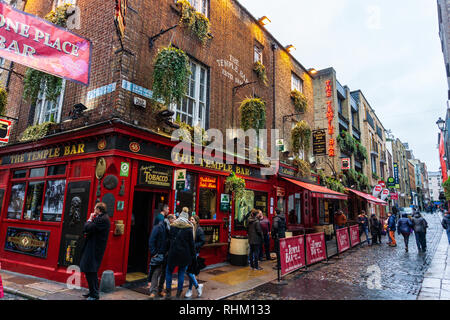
(159, 240)
(404, 225)
(391, 223)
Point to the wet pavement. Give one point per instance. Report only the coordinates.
(376, 272)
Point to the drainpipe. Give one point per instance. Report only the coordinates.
(274, 47)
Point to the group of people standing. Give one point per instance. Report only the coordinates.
(175, 242)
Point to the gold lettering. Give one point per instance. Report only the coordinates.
(73, 150)
(66, 150)
(57, 152)
(81, 148)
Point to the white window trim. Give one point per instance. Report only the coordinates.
(39, 117)
(294, 78)
(201, 6)
(257, 51)
(58, 3)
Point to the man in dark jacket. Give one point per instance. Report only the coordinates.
(181, 251)
(404, 226)
(96, 230)
(162, 215)
(420, 226)
(158, 246)
(278, 232)
(446, 224)
(265, 226)
(363, 223)
(375, 229)
(255, 239)
(391, 229)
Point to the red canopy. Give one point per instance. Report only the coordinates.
(319, 191)
(369, 197)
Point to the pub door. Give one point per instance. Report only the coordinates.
(146, 205)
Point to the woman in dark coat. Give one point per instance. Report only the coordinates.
(96, 230)
(199, 241)
(181, 251)
(255, 239)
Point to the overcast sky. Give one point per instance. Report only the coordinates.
(390, 50)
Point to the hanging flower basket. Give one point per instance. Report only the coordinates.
(253, 114)
(36, 132)
(300, 101)
(194, 21)
(234, 184)
(170, 74)
(3, 100)
(303, 167)
(260, 70)
(300, 137)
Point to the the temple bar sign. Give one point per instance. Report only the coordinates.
(41, 45)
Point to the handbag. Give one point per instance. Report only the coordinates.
(157, 259)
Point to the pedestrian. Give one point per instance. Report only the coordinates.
(420, 226)
(96, 231)
(375, 229)
(446, 224)
(363, 223)
(340, 220)
(181, 251)
(391, 230)
(255, 239)
(162, 215)
(404, 226)
(278, 232)
(193, 269)
(159, 247)
(265, 226)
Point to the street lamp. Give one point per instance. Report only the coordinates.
(264, 20)
(441, 124)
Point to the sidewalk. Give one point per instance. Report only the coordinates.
(436, 283)
(219, 282)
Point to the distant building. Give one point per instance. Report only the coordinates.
(435, 185)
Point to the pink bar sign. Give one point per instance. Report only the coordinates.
(1, 285)
(292, 254)
(354, 235)
(343, 241)
(41, 45)
(315, 247)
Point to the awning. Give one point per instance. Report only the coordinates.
(319, 191)
(369, 197)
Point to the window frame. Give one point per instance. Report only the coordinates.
(257, 54)
(42, 103)
(58, 3)
(295, 78)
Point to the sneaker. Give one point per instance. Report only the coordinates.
(188, 293)
(87, 295)
(259, 268)
(92, 298)
(199, 290)
(152, 296)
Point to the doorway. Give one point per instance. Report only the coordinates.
(146, 205)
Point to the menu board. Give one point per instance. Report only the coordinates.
(319, 142)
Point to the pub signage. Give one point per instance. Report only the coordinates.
(27, 241)
(5, 130)
(319, 142)
(208, 182)
(155, 175)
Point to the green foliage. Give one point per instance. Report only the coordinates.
(346, 142)
(375, 176)
(3, 100)
(361, 151)
(59, 16)
(189, 132)
(300, 101)
(36, 132)
(446, 186)
(253, 114)
(170, 75)
(235, 184)
(195, 21)
(303, 167)
(300, 137)
(260, 70)
(334, 185)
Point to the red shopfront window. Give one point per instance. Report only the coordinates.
(207, 200)
(37, 194)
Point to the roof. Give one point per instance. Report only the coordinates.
(368, 197)
(319, 191)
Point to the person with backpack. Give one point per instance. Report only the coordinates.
(404, 226)
(255, 239)
(446, 224)
(278, 232)
(420, 226)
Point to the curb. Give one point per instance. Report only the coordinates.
(21, 294)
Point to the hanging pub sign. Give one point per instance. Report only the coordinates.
(208, 182)
(390, 182)
(377, 190)
(319, 142)
(41, 45)
(345, 163)
(180, 179)
(382, 184)
(27, 241)
(224, 202)
(119, 19)
(394, 196)
(155, 175)
(384, 194)
(330, 117)
(5, 130)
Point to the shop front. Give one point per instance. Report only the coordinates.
(359, 201)
(49, 188)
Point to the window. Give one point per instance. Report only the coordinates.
(200, 5)
(187, 196)
(207, 201)
(193, 109)
(49, 110)
(2, 65)
(374, 164)
(340, 109)
(57, 3)
(297, 83)
(37, 198)
(258, 55)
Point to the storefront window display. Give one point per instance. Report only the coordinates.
(243, 206)
(294, 209)
(261, 202)
(186, 197)
(16, 201)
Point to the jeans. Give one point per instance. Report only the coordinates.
(366, 231)
(389, 236)
(181, 272)
(254, 255)
(266, 248)
(406, 238)
(448, 235)
(192, 279)
(421, 240)
(92, 280)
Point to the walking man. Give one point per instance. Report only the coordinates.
(363, 222)
(375, 229)
(255, 239)
(96, 231)
(340, 220)
(391, 229)
(265, 226)
(404, 226)
(278, 232)
(420, 226)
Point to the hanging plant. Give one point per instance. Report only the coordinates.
(334, 185)
(446, 186)
(3, 100)
(300, 101)
(36, 132)
(303, 167)
(361, 152)
(300, 137)
(235, 184)
(194, 21)
(189, 132)
(170, 75)
(253, 114)
(363, 182)
(346, 142)
(260, 70)
(35, 80)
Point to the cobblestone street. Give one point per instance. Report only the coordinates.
(346, 277)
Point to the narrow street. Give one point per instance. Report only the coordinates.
(346, 277)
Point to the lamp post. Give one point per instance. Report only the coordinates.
(441, 125)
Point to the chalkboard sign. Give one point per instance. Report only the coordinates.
(319, 142)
